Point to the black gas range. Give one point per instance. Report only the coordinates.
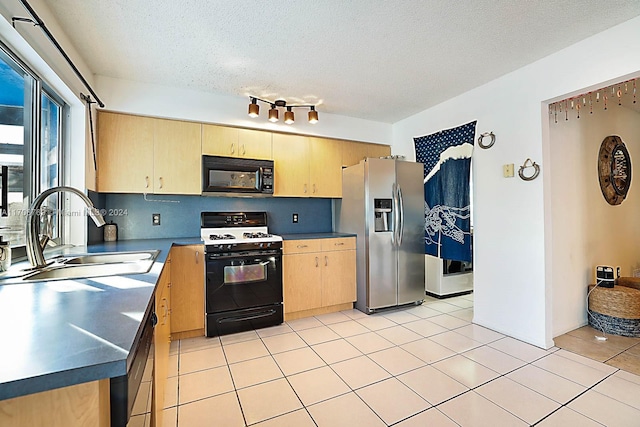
(243, 288)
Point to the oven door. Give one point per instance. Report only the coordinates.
(243, 280)
(243, 292)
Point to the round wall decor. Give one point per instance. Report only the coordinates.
(614, 169)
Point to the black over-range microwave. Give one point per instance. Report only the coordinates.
(232, 175)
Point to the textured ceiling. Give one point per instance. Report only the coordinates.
(381, 60)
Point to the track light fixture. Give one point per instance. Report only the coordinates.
(254, 110)
(288, 116)
(313, 115)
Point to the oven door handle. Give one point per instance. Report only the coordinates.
(267, 313)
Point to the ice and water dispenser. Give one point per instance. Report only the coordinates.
(383, 214)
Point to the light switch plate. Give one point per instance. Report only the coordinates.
(507, 170)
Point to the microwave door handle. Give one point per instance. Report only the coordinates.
(259, 180)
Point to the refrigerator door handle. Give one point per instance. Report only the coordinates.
(401, 221)
(396, 216)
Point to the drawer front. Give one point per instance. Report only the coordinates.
(301, 246)
(338, 244)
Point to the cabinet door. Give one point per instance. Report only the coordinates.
(325, 167)
(220, 141)
(161, 340)
(177, 157)
(125, 153)
(353, 152)
(254, 144)
(378, 150)
(291, 168)
(187, 288)
(301, 281)
(338, 277)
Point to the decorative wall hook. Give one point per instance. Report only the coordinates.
(486, 135)
(529, 164)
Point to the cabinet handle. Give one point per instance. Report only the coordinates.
(233, 148)
(197, 255)
(301, 246)
(166, 311)
(314, 189)
(243, 150)
(316, 261)
(326, 261)
(146, 180)
(160, 181)
(305, 189)
(339, 244)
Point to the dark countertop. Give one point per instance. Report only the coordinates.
(65, 332)
(305, 236)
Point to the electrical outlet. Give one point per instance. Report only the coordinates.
(507, 170)
(155, 219)
(295, 218)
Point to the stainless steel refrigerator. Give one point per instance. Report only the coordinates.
(383, 203)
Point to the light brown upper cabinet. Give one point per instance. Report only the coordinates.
(307, 166)
(125, 153)
(146, 155)
(353, 152)
(291, 165)
(325, 167)
(235, 142)
(176, 157)
(378, 150)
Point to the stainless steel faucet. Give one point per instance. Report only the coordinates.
(34, 247)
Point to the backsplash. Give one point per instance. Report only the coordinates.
(180, 215)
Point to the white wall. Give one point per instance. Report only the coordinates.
(169, 102)
(587, 230)
(513, 254)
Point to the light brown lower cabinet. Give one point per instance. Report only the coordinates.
(161, 344)
(187, 291)
(319, 276)
(80, 405)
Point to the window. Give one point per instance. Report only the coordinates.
(30, 146)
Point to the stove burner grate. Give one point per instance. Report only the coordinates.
(256, 235)
(221, 236)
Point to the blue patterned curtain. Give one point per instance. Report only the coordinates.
(446, 156)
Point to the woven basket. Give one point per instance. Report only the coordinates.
(630, 282)
(620, 301)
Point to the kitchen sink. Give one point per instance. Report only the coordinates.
(87, 266)
(89, 270)
(112, 257)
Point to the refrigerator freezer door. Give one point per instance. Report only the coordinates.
(409, 179)
(382, 254)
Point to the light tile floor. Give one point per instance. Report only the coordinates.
(417, 366)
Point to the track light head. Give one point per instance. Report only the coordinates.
(313, 115)
(273, 113)
(254, 108)
(288, 116)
